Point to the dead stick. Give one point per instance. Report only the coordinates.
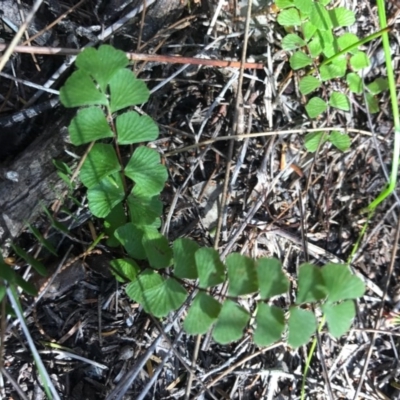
(61, 51)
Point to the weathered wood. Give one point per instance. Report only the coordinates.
(35, 180)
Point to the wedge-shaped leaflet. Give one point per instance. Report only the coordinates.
(315, 107)
(315, 46)
(281, 4)
(346, 40)
(378, 85)
(340, 141)
(340, 283)
(102, 64)
(145, 170)
(100, 162)
(308, 30)
(300, 60)
(341, 16)
(106, 195)
(231, 322)
(339, 317)
(158, 296)
(242, 275)
(311, 284)
(320, 18)
(114, 220)
(80, 90)
(340, 101)
(308, 84)
(332, 71)
(301, 326)
(184, 259)
(133, 128)
(89, 125)
(144, 210)
(355, 83)
(270, 322)
(292, 42)
(202, 314)
(126, 90)
(289, 17)
(124, 269)
(131, 238)
(210, 269)
(312, 140)
(271, 279)
(305, 6)
(157, 248)
(359, 61)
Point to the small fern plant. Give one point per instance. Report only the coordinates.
(323, 52)
(124, 192)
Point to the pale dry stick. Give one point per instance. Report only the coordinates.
(22, 16)
(239, 363)
(9, 50)
(215, 16)
(380, 313)
(237, 129)
(28, 83)
(271, 133)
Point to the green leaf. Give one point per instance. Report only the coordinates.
(301, 326)
(359, 61)
(36, 264)
(145, 170)
(184, 258)
(124, 269)
(157, 249)
(347, 40)
(144, 210)
(305, 6)
(289, 17)
(320, 18)
(284, 3)
(315, 107)
(341, 16)
(156, 295)
(325, 2)
(340, 101)
(7, 273)
(327, 39)
(292, 42)
(379, 85)
(270, 322)
(106, 195)
(311, 284)
(89, 125)
(373, 104)
(242, 275)
(308, 30)
(332, 71)
(202, 314)
(308, 84)
(44, 242)
(26, 286)
(114, 220)
(231, 322)
(100, 162)
(126, 90)
(133, 128)
(341, 141)
(271, 278)
(315, 47)
(339, 317)
(340, 283)
(312, 140)
(355, 83)
(80, 90)
(102, 64)
(131, 238)
(299, 60)
(210, 269)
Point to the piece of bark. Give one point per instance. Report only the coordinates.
(31, 180)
